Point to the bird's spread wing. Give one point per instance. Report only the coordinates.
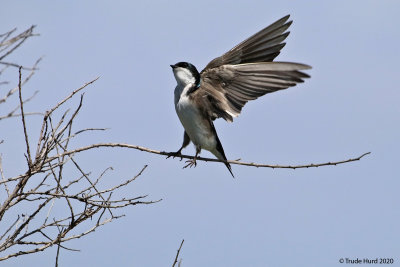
(247, 72)
(226, 89)
(263, 46)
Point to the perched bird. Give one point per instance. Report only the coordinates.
(224, 86)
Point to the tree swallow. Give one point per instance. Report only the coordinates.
(224, 86)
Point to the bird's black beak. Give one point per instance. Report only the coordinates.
(173, 66)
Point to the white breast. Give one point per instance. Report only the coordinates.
(192, 121)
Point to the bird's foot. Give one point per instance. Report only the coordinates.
(175, 154)
(191, 163)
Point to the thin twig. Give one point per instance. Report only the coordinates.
(17, 66)
(6, 35)
(24, 101)
(12, 91)
(11, 113)
(21, 102)
(3, 179)
(69, 96)
(177, 254)
(22, 37)
(58, 246)
(9, 228)
(8, 116)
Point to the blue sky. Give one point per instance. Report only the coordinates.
(264, 217)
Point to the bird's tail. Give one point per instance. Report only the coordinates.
(229, 168)
(220, 154)
(219, 150)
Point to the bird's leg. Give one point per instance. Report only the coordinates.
(186, 141)
(192, 162)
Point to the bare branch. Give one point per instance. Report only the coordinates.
(6, 35)
(9, 116)
(3, 179)
(9, 228)
(12, 91)
(177, 254)
(23, 121)
(90, 204)
(70, 200)
(70, 96)
(24, 101)
(237, 162)
(21, 38)
(58, 245)
(17, 66)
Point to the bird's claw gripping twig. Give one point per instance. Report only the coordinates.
(175, 154)
(190, 163)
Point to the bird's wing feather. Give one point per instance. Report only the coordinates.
(226, 89)
(247, 72)
(263, 46)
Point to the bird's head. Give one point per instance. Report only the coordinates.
(186, 73)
